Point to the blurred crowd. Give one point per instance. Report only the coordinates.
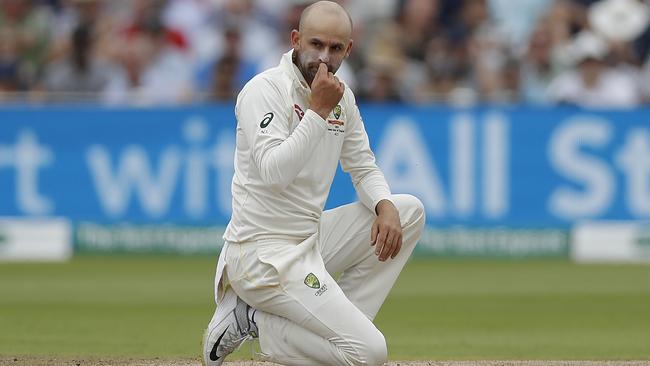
(592, 53)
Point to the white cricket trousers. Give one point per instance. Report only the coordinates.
(304, 316)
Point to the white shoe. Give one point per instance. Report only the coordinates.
(228, 329)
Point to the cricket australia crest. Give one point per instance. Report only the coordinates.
(312, 281)
(337, 111)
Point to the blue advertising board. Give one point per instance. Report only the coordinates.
(517, 167)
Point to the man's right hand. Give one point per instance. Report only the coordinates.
(326, 91)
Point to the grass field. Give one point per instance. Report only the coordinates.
(157, 307)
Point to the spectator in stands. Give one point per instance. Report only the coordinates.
(380, 79)
(29, 25)
(224, 87)
(195, 20)
(157, 69)
(593, 84)
(9, 78)
(644, 82)
(537, 68)
(82, 74)
(621, 22)
(447, 72)
(147, 19)
(393, 67)
(69, 15)
(454, 51)
(224, 79)
(260, 38)
(418, 21)
(493, 66)
(516, 19)
(486, 50)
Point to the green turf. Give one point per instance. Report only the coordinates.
(157, 307)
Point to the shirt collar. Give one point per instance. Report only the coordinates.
(287, 65)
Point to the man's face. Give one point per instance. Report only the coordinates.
(318, 43)
(591, 70)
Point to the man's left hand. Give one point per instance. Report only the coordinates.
(386, 234)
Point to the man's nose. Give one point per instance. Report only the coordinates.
(324, 57)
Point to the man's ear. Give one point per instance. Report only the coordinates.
(295, 39)
(347, 52)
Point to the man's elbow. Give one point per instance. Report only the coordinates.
(274, 177)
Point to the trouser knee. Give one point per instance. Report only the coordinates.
(411, 211)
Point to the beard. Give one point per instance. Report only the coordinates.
(308, 67)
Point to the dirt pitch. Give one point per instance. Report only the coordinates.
(83, 361)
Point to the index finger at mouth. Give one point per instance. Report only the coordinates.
(322, 69)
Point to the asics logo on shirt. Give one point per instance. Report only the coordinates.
(267, 120)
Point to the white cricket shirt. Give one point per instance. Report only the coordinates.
(287, 156)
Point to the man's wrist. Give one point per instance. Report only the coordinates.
(322, 113)
(382, 204)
